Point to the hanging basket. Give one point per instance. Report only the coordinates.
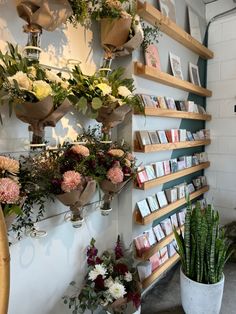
(4, 266)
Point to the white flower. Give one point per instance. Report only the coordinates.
(117, 290)
(124, 91)
(41, 89)
(98, 270)
(32, 72)
(128, 276)
(112, 98)
(108, 282)
(52, 76)
(22, 79)
(106, 89)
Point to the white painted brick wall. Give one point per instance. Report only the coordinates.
(222, 152)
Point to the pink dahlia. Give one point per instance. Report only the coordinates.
(115, 175)
(9, 191)
(71, 181)
(80, 150)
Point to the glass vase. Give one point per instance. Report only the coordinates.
(106, 65)
(106, 207)
(32, 49)
(75, 217)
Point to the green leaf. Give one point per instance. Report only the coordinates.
(82, 104)
(96, 103)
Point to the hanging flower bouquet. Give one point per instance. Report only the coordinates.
(11, 194)
(106, 99)
(37, 95)
(66, 174)
(111, 282)
(121, 31)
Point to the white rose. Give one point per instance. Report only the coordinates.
(41, 89)
(128, 276)
(52, 76)
(117, 290)
(98, 270)
(124, 91)
(22, 79)
(106, 89)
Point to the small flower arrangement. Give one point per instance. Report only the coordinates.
(106, 99)
(33, 91)
(111, 282)
(11, 192)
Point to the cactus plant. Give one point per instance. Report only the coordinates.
(203, 248)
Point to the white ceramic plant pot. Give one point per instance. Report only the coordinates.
(198, 298)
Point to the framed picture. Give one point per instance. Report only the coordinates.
(176, 66)
(194, 25)
(194, 74)
(152, 57)
(167, 8)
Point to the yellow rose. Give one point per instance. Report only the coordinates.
(41, 89)
(106, 89)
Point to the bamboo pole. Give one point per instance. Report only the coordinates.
(4, 266)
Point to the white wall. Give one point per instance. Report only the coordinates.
(42, 269)
(222, 81)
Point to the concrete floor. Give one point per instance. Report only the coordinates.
(164, 297)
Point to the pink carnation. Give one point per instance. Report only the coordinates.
(9, 191)
(71, 181)
(80, 150)
(115, 175)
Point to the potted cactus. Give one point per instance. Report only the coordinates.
(203, 251)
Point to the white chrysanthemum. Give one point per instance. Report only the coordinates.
(22, 79)
(106, 89)
(124, 91)
(41, 89)
(108, 282)
(128, 277)
(53, 77)
(117, 290)
(98, 270)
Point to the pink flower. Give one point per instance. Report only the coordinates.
(80, 150)
(115, 175)
(71, 181)
(9, 191)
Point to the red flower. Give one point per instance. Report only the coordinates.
(99, 283)
(121, 268)
(118, 249)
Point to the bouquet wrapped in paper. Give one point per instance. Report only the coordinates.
(111, 282)
(38, 96)
(108, 99)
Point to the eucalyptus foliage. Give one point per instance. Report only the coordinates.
(203, 249)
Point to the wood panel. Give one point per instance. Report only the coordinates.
(153, 16)
(168, 209)
(169, 80)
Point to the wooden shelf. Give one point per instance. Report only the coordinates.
(168, 209)
(169, 146)
(169, 80)
(173, 176)
(153, 16)
(157, 112)
(158, 246)
(160, 270)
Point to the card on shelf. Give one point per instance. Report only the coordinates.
(176, 66)
(207, 134)
(203, 180)
(181, 190)
(161, 102)
(143, 138)
(171, 195)
(152, 58)
(171, 248)
(166, 226)
(144, 270)
(142, 244)
(168, 136)
(182, 135)
(154, 137)
(162, 199)
(201, 135)
(166, 165)
(151, 236)
(170, 103)
(182, 106)
(162, 137)
(155, 261)
(181, 165)
(181, 217)
(159, 232)
(201, 109)
(148, 101)
(159, 169)
(152, 202)
(150, 172)
(190, 136)
(190, 188)
(196, 137)
(164, 255)
(174, 220)
(195, 161)
(174, 165)
(143, 208)
(141, 176)
(197, 183)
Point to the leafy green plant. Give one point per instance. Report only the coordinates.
(203, 249)
(151, 35)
